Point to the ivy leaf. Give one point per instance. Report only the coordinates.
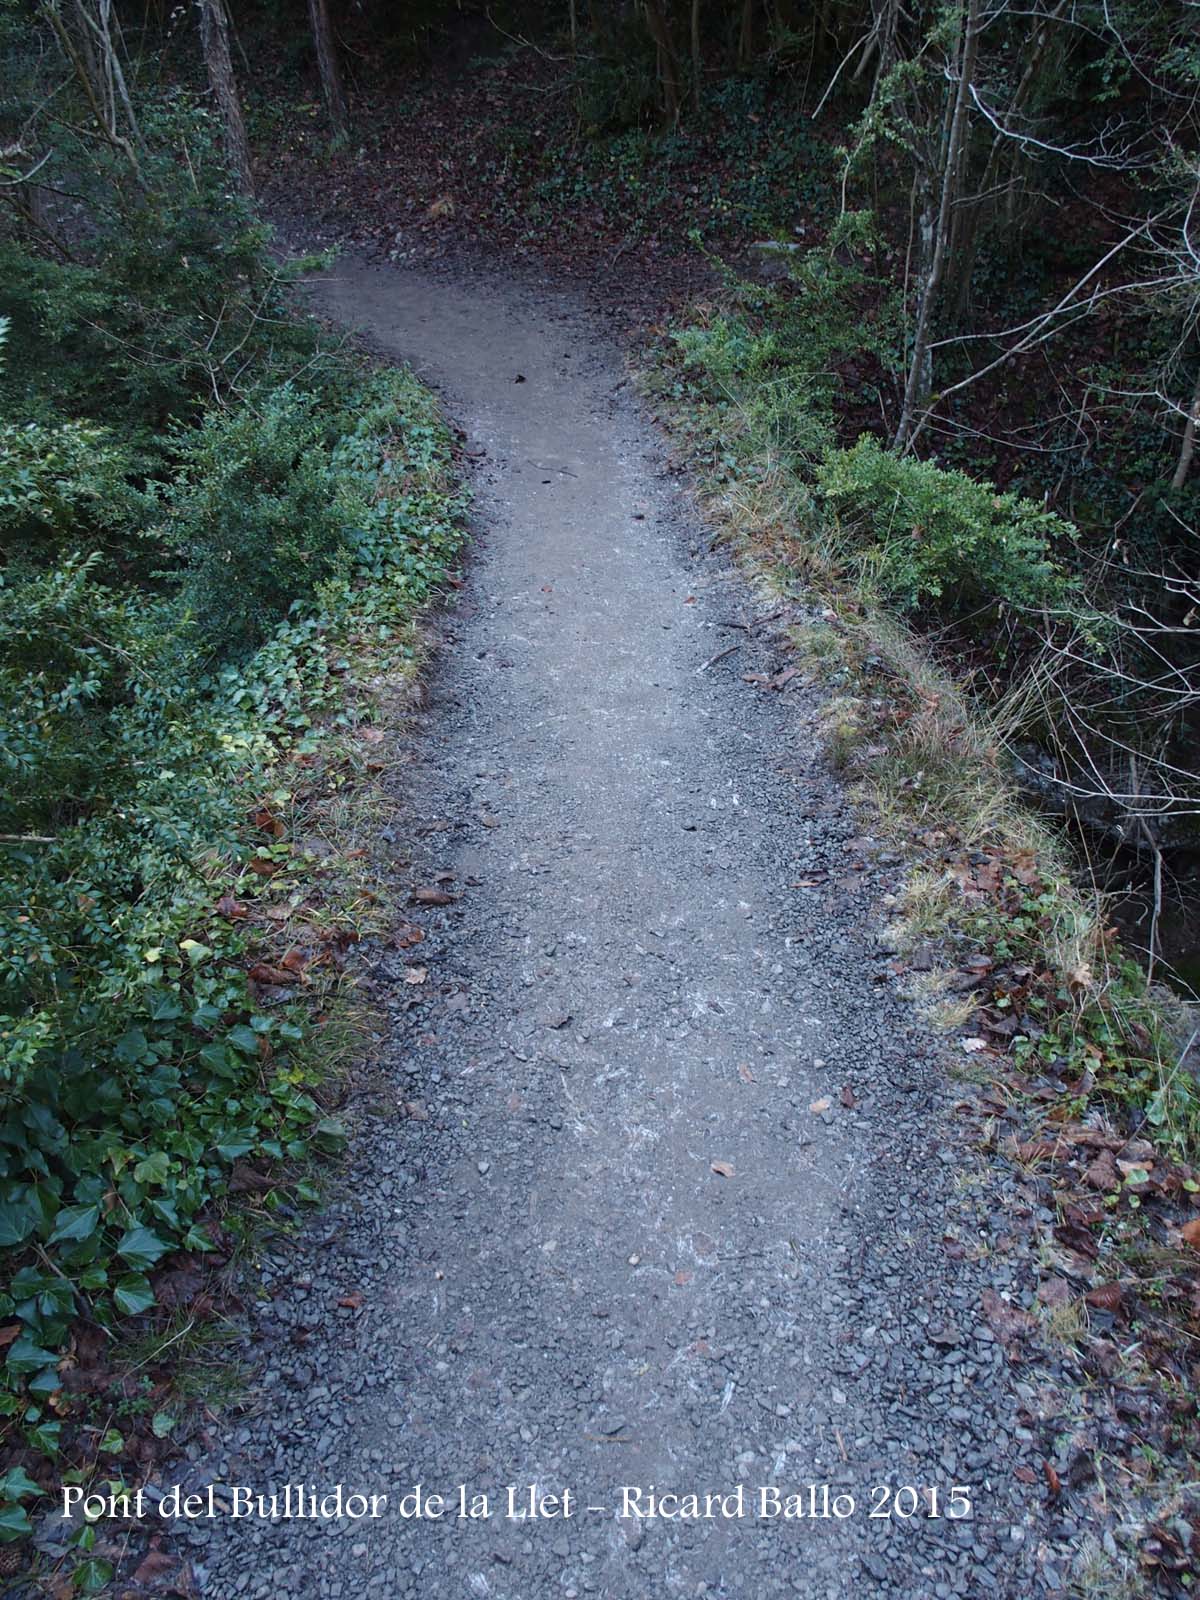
(73, 1223)
(16, 1484)
(330, 1134)
(24, 1357)
(14, 1523)
(18, 1219)
(132, 1294)
(141, 1247)
(154, 1169)
(93, 1575)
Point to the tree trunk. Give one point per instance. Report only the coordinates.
(668, 65)
(214, 37)
(1188, 447)
(327, 65)
(919, 386)
(746, 35)
(697, 58)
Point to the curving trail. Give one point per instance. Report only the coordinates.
(663, 955)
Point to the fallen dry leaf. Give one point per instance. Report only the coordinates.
(818, 1106)
(231, 908)
(972, 1045)
(416, 974)
(1102, 1172)
(427, 895)
(9, 1333)
(1105, 1297)
(351, 1302)
(744, 1073)
(1190, 1233)
(1007, 1320)
(848, 1098)
(723, 1169)
(276, 976)
(155, 1564)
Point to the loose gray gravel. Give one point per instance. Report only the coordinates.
(664, 958)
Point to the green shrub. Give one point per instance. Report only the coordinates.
(932, 537)
(135, 1065)
(257, 515)
(173, 301)
(63, 486)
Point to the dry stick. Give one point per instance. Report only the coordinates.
(1035, 327)
(1188, 446)
(50, 12)
(1144, 827)
(720, 656)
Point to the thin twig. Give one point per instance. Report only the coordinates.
(720, 656)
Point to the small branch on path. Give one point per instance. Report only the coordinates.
(720, 656)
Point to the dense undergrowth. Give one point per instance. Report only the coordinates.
(215, 523)
(1083, 1063)
(902, 548)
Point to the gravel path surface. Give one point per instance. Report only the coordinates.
(680, 1204)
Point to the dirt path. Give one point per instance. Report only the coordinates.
(663, 955)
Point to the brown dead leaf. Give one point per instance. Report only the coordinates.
(848, 1097)
(266, 819)
(428, 895)
(231, 908)
(1105, 1297)
(1102, 1172)
(371, 735)
(818, 1106)
(1190, 1233)
(1053, 1482)
(155, 1564)
(275, 976)
(744, 1073)
(8, 1333)
(407, 936)
(723, 1169)
(263, 867)
(682, 1277)
(1024, 866)
(1076, 1236)
(1007, 1320)
(416, 975)
(352, 1302)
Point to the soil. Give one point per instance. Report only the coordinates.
(658, 1181)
